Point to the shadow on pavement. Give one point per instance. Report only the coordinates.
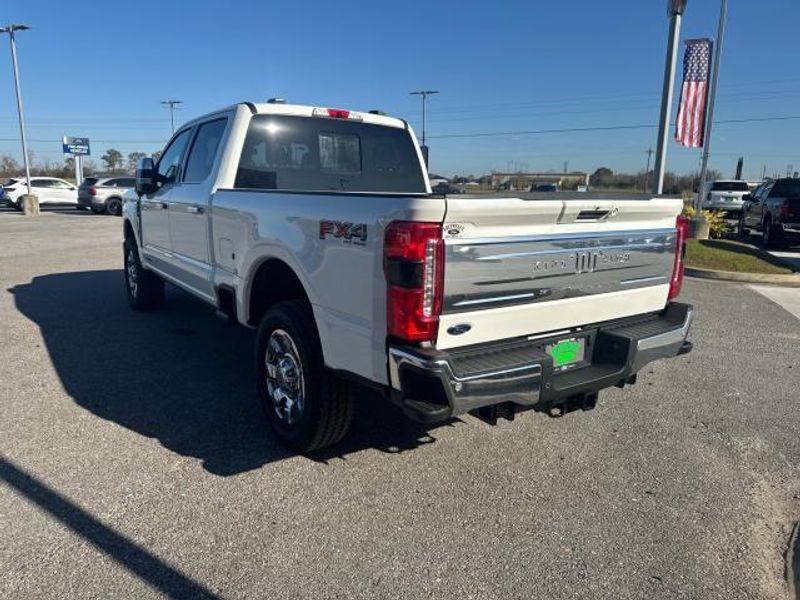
(151, 569)
(179, 374)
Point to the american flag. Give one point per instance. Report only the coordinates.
(692, 110)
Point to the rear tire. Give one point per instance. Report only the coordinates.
(306, 407)
(144, 289)
(114, 206)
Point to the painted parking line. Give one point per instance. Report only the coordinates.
(787, 298)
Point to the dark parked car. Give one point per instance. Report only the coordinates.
(543, 187)
(104, 195)
(773, 211)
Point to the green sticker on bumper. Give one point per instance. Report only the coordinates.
(566, 352)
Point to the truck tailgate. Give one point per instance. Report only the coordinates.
(527, 265)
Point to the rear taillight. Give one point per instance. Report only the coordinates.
(92, 191)
(413, 261)
(682, 234)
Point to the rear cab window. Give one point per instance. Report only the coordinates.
(318, 155)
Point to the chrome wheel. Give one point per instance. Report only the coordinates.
(285, 383)
(132, 272)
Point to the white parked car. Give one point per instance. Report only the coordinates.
(49, 190)
(725, 195)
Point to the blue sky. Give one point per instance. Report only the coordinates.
(100, 69)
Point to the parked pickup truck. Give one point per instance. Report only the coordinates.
(317, 226)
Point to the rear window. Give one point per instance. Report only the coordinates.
(9, 182)
(730, 186)
(89, 181)
(312, 154)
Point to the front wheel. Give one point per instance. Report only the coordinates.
(306, 407)
(773, 236)
(144, 289)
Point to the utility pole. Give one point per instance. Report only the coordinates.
(423, 94)
(649, 153)
(10, 31)
(172, 104)
(675, 9)
(712, 95)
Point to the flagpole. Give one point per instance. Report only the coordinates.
(712, 95)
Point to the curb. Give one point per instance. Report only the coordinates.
(790, 280)
(793, 563)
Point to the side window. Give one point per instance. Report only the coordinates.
(41, 183)
(110, 183)
(170, 162)
(128, 183)
(204, 150)
(61, 185)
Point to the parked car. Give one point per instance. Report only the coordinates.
(49, 190)
(104, 195)
(773, 212)
(725, 195)
(445, 188)
(543, 187)
(317, 226)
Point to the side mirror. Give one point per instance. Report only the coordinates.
(145, 176)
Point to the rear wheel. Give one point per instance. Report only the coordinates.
(741, 230)
(145, 289)
(306, 407)
(114, 206)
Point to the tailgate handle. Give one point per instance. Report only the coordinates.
(592, 215)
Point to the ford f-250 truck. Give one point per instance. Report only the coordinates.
(318, 227)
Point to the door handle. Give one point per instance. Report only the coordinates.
(194, 209)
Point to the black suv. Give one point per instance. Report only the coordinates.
(773, 210)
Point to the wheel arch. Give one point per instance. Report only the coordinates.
(272, 280)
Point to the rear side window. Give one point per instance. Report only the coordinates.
(204, 150)
(126, 182)
(109, 183)
(786, 188)
(89, 181)
(313, 154)
(730, 186)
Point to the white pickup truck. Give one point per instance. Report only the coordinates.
(318, 227)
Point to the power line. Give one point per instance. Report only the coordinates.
(604, 128)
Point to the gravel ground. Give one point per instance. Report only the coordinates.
(134, 461)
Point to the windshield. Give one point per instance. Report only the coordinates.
(312, 154)
(730, 186)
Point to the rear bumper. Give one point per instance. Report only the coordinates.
(435, 385)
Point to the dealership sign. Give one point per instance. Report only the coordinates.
(77, 146)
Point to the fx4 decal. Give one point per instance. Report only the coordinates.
(349, 233)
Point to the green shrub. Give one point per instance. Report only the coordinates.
(717, 227)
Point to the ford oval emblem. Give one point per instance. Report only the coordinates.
(459, 329)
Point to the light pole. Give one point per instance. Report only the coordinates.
(675, 9)
(172, 104)
(649, 153)
(10, 31)
(712, 95)
(424, 95)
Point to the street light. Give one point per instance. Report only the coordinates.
(424, 95)
(10, 29)
(172, 104)
(675, 10)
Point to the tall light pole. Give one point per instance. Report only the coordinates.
(424, 95)
(10, 31)
(675, 9)
(172, 104)
(712, 95)
(649, 153)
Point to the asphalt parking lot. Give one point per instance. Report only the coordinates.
(135, 463)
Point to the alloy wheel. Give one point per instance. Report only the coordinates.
(285, 382)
